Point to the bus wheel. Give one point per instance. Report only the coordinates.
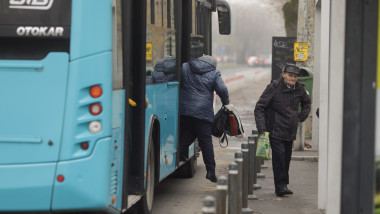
(147, 200)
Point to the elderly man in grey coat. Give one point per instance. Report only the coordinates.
(199, 81)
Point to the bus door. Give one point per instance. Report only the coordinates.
(34, 59)
(162, 79)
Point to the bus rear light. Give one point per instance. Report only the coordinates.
(60, 178)
(84, 145)
(96, 91)
(95, 127)
(95, 109)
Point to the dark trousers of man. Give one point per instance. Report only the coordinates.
(281, 155)
(192, 128)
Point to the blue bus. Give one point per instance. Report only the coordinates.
(87, 124)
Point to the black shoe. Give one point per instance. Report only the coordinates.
(211, 177)
(288, 191)
(281, 191)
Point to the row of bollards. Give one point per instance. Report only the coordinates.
(232, 194)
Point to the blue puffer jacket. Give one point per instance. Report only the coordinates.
(164, 71)
(199, 80)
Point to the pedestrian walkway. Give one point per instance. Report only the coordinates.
(303, 182)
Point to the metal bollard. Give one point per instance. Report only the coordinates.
(246, 211)
(239, 161)
(255, 134)
(208, 205)
(263, 166)
(252, 168)
(221, 195)
(259, 174)
(244, 192)
(258, 162)
(233, 193)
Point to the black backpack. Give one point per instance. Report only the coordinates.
(220, 125)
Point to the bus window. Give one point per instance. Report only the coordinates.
(193, 15)
(165, 13)
(169, 6)
(158, 12)
(149, 12)
(201, 12)
(161, 44)
(117, 61)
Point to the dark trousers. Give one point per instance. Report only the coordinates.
(192, 128)
(281, 156)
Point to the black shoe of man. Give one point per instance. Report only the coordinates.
(288, 191)
(281, 191)
(211, 177)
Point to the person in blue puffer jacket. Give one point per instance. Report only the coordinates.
(199, 80)
(164, 71)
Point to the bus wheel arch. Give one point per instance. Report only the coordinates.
(152, 166)
(156, 146)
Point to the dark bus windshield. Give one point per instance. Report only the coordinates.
(35, 18)
(30, 29)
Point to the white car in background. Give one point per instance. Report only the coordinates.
(252, 61)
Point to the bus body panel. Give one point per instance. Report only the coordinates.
(118, 106)
(91, 27)
(163, 102)
(87, 181)
(84, 73)
(26, 187)
(32, 118)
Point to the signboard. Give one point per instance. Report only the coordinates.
(149, 55)
(300, 51)
(282, 52)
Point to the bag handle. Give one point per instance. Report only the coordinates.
(224, 136)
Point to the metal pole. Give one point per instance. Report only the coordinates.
(258, 162)
(252, 169)
(263, 166)
(246, 211)
(208, 205)
(244, 196)
(259, 174)
(239, 162)
(255, 135)
(233, 193)
(250, 166)
(221, 195)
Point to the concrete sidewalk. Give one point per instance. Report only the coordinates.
(303, 181)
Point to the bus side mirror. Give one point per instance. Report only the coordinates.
(224, 17)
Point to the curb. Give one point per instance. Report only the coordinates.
(305, 158)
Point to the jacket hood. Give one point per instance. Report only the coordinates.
(166, 65)
(200, 66)
(169, 65)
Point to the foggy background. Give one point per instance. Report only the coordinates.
(254, 23)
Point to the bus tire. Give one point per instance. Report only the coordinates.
(147, 199)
